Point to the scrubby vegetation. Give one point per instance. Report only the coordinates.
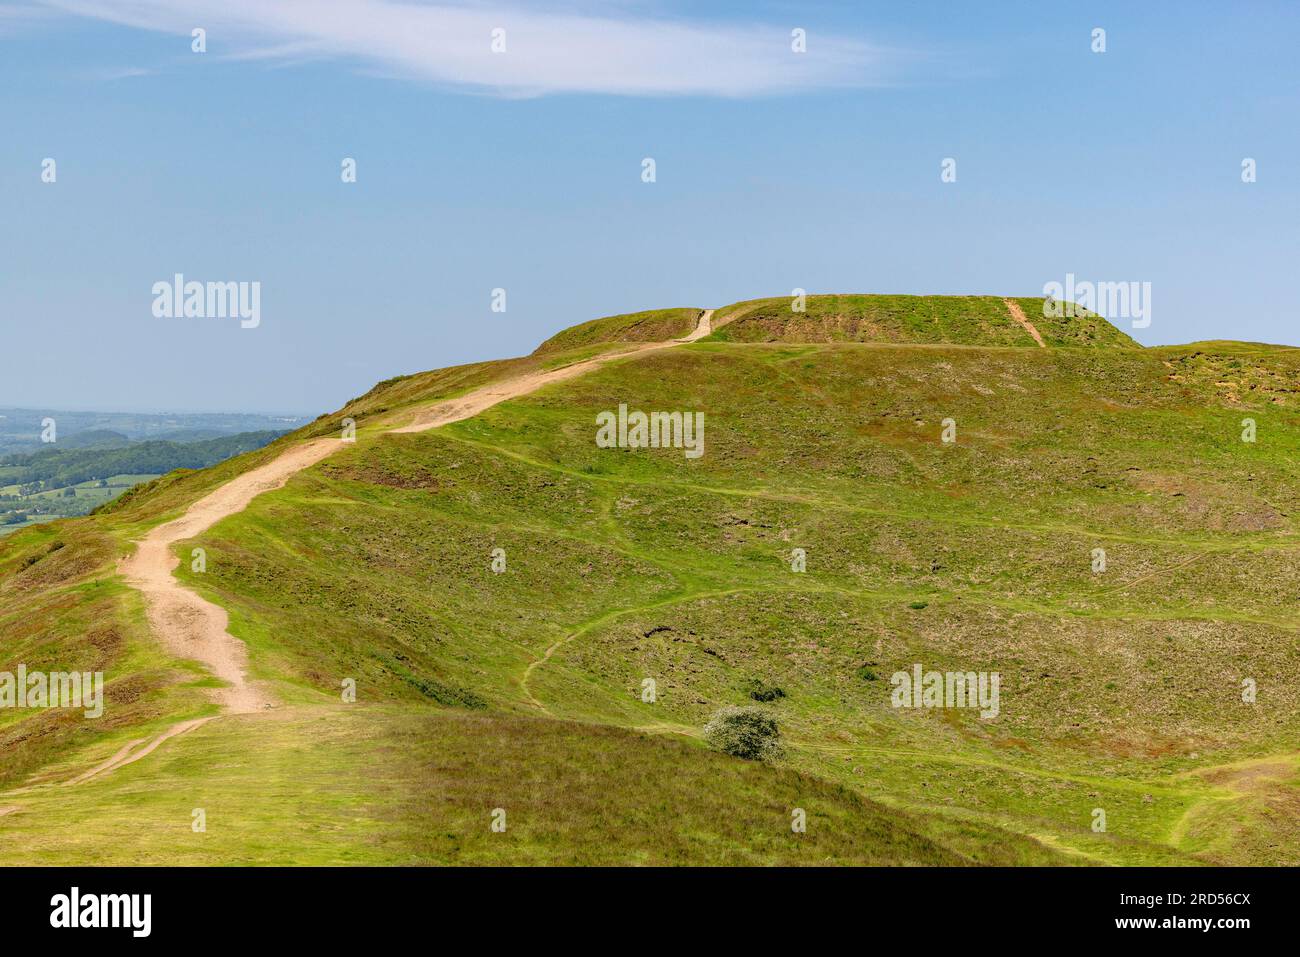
(749, 733)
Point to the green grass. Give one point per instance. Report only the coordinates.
(363, 784)
(61, 609)
(656, 325)
(1082, 329)
(1120, 690)
(64, 502)
(953, 320)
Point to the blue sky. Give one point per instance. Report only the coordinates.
(522, 170)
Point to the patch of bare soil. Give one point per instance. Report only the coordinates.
(1018, 314)
(192, 627)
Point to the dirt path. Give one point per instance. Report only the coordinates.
(1018, 314)
(129, 754)
(1237, 780)
(606, 619)
(191, 627)
(467, 406)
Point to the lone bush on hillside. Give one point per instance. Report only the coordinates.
(760, 691)
(749, 733)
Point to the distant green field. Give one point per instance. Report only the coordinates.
(74, 500)
(61, 482)
(1121, 688)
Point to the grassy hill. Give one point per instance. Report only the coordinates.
(655, 325)
(954, 320)
(1121, 689)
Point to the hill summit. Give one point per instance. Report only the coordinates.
(988, 321)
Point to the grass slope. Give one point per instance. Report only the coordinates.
(382, 785)
(954, 320)
(655, 325)
(1121, 690)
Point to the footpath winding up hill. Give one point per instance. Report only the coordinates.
(495, 589)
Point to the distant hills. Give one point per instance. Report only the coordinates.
(21, 429)
(77, 474)
(61, 467)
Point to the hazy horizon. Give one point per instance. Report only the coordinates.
(273, 413)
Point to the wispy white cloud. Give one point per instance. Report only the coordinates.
(119, 73)
(564, 50)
